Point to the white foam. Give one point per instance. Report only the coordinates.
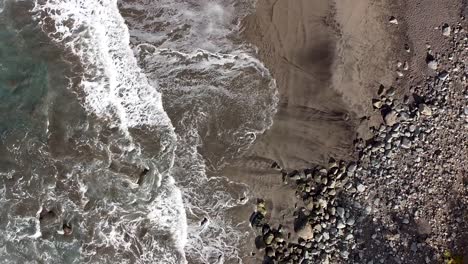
(113, 83)
(116, 90)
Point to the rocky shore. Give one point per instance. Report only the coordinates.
(405, 198)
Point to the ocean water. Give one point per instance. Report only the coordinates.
(114, 113)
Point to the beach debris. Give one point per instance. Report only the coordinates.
(393, 20)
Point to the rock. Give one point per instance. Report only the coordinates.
(391, 118)
(350, 221)
(256, 219)
(318, 228)
(407, 48)
(443, 75)
(352, 167)
(268, 238)
(446, 30)
(393, 20)
(405, 66)
(432, 64)
(340, 225)
(305, 232)
(361, 188)
(377, 103)
(391, 91)
(425, 110)
(270, 252)
(261, 210)
(405, 143)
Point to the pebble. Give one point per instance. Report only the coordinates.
(432, 65)
(340, 211)
(405, 143)
(425, 110)
(443, 75)
(391, 118)
(446, 30)
(340, 225)
(361, 188)
(350, 221)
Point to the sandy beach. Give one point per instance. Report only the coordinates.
(329, 60)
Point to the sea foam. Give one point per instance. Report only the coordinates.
(114, 89)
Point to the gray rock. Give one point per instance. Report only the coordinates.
(270, 252)
(391, 91)
(361, 188)
(350, 221)
(391, 118)
(352, 167)
(406, 66)
(306, 232)
(432, 65)
(424, 110)
(340, 225)
(446, 30)
(268, 238)
(318, 228)
(405, 143)
(443, 75)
